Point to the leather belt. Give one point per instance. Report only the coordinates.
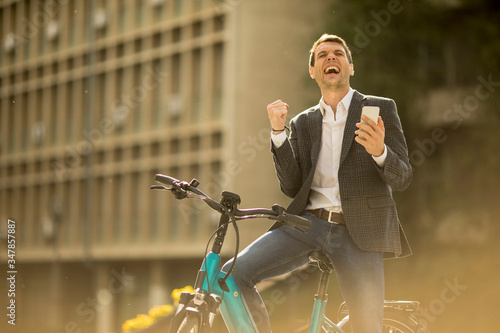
(332, 217)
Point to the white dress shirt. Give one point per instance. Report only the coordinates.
(325, 191)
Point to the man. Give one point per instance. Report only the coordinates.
(340, 173)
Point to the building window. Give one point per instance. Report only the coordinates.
(100, 92)
(28, 41)
(197, 29)
(217, 77)
(22, 215)
(157, 42)
(196, 83)
(55, 127)
(198, 5)
(12, 123)
(176, 35)
(175, 146)
(195, 143)
(122, 16)
(25, 121)
(175, 98)
(139, 13)
(70, 136)
(116, 221)
(156, 92)
(219, 22)
(97, 219)
(216, 140)
(138, 95)
(133, 209)
(71, 23)
(179, 7)
(158, 8)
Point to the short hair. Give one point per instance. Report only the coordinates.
(328, 38)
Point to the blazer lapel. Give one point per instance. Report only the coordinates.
(353, 117)
(315, 123)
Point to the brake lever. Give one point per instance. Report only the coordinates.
(283, 218)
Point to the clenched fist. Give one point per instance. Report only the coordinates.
(277, 112)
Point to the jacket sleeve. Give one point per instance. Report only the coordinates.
(397, 171)
(287, 165)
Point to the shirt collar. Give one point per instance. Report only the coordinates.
(346, 101)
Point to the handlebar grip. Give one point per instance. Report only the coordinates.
(166, 180)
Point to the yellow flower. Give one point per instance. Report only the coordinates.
(176, 294)
(137, 323)
(160, 311)
(128, 325)
(142, 320)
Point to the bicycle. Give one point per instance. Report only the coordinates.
(217, 291)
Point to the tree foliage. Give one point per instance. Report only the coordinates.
(405, 49)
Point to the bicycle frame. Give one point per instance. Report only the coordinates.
(233, 307)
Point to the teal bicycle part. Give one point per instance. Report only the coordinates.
(233, 307)
(318, 319)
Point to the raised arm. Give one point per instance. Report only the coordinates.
(285, 162)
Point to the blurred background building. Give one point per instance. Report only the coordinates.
(97, 96)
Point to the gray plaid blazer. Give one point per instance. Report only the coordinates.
(365, 189)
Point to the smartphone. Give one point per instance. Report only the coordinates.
(370, 112)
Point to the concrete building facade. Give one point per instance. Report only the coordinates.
(96, 97)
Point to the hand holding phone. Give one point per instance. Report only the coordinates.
(372, 139)
(372, 113)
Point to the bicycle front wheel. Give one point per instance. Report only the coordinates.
(190, 324)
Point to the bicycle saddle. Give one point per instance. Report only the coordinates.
(322, 260)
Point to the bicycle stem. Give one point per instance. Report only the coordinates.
(231, 202)
(221, 234)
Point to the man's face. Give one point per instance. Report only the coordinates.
(331, 69)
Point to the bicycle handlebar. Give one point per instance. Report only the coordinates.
(165, 180)
(181, 188)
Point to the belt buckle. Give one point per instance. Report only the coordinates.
(330, 212)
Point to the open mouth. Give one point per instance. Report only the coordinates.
(332, 69)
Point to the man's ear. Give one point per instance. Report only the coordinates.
(352, 69)
(311, 72)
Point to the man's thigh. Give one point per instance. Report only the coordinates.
(273, 254)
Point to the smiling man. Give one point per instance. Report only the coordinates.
(340, 172)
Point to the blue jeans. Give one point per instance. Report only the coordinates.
(283, 250)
